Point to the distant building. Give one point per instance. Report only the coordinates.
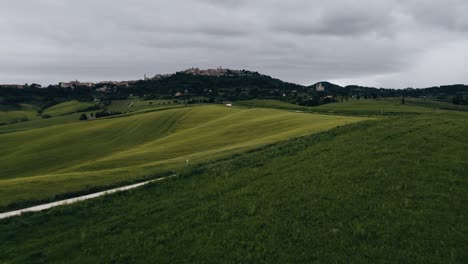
(103, 89)
(319, 87)
(74, 84)
(212, 72)
(64, 85)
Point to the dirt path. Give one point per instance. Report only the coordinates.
(77, 199)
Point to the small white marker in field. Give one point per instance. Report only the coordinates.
(188, 161)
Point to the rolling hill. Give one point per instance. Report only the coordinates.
(68, 107)
(385, 190)
(366, 107)
(80, 156)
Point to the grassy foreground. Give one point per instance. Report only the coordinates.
(382, 191)
(81, 156)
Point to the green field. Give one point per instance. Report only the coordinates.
(136, 104)
(22, 113)
(65, 119)
(39, 123)
(8, 117)
(430, 103)
(352, 107)
(66, 108)
(389, 190)
(82, 156)
(372, 107)
(271, 104)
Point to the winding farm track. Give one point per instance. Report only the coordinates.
(77, 199)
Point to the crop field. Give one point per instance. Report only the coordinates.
(271, 104)
(372, 107)
(136, 104)
(40, 123)
(21, 114)
(366, 107)
(430, 103)
(8, 117)
(65, 119)
(68, 107)
(388, 190)
(80, 156)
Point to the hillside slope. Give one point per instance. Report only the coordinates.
(72, 157)
(390, 191)
(68, 107)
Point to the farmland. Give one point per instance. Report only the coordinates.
(368, 107)
(82, 156)
(68, 107)
(137, 104)
(391, 189)
(22, 113)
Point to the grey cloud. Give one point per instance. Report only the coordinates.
(225, 3)
(376, 42)
(347, 22)
(443, 15)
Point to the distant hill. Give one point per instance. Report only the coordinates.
(328, 85)
(350, 90)
(214, 85)
(222, 84)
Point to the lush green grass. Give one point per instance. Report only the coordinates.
(430, 103)
(372, 107)
(24, 113)
(384, 191)
(8, 117)
(40, 123)
(68, 107)
(136, 104)
(78, 156)
(271, 104)
(66, 119)
(352, 107)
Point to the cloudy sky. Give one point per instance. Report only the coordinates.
(383, 43)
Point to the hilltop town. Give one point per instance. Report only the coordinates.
(191, 71)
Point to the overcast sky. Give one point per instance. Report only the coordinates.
(383, 43)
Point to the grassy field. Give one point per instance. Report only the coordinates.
(352, 107)
(430, 103)
(271, 104)
(68, 107)
(40, 123)
(24, 113)
(80, 156)
(136, 104)
(390, 190)
(66, 119)
(372, 107)
(9, 117)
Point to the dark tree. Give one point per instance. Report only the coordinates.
(458, 100)
(83, 117)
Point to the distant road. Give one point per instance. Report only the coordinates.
(77, 199)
